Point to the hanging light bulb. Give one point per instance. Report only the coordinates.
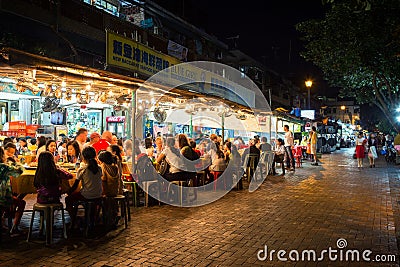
(58, 93)
(96, 97)
(103, 97)
(68, 96)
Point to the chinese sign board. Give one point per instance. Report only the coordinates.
(131, 55)
(128, 54)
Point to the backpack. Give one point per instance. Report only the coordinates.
(164, 167)
(145, 169)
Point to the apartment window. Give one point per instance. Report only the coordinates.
(106, 6)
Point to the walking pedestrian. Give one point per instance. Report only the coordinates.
(372, 151)
(289, 143)
(360, 149)
(313, 145)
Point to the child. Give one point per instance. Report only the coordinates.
(48, 179)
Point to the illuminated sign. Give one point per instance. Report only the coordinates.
(115, 119)
(128, 54)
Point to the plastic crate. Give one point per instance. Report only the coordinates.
(31, 129)
(17, 125)
(21, 133)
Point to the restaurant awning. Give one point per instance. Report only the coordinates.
(51, 77)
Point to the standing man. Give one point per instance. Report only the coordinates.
(81, 137)
(313, 145)
(289, 143)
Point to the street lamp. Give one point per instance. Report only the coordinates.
(308, 85)
(343, 109)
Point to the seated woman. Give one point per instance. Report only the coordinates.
(73, 152)
(219, 164)
(148, 144)
(127, 149)
(90, 177)
(11, 205)
(111, 178)
(51, 146)
(112, 186)
(279, 156)
(174, 159)
(48, 179)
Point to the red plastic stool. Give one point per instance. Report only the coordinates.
(216, 176)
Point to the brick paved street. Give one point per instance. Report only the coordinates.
(308, 210)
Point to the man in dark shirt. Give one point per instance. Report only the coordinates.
(254, 156)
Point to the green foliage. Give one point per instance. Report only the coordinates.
(357, 47)
(385, 127)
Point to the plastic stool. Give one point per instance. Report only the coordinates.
(133, 190)
(48, 216)
(121, 201)
(90, 207)
(126, 194)
(180, 184)
(146, 187)
(216, 175)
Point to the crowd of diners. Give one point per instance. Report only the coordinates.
(98, 161)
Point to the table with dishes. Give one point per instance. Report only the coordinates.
(23, 184)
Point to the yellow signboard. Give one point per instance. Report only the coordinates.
(128, 54)
(125, 53)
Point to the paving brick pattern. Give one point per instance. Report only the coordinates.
(307, 210)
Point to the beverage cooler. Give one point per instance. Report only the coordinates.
(116, 125)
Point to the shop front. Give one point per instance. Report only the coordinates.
(52, 94)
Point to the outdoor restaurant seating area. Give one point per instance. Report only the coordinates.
(158, 179)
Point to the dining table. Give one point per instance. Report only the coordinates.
(24, 184)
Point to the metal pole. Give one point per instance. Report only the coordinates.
(191, 125)
(133, 129)
(309, 89)
(270, 116)
(223, 127)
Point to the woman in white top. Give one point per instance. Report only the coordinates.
(173, 157)
(360, 149)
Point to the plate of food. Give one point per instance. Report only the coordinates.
(67, 165)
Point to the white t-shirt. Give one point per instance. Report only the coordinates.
(176, 163)
(289, 139)
(359, 141)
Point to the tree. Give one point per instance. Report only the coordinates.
(357, 47)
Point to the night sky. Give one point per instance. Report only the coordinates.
(266, 31)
